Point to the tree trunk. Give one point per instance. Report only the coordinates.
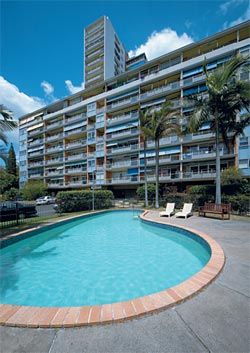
(218, 182)
(145, 173)
(157, 174)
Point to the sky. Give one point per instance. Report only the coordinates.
(42, 41)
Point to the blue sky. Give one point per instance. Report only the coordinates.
(42, 41)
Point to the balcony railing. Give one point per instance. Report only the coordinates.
(36, 131)
(76, 157)
(199, 175)
(54, 137)
(75, 131)
(123, 133)
(124, 180)
(55, 185)
(37, 164)
(75, 170)
(54, 173)
(76, 183)
(36, 142)
(121, 164)
(194, 79)
(36, 175)
(54, 149)
(122, 118)
(54, 125)
(115, 150)
(75, 118)
(76, 144)
(54, 161)
(123, 102)
(35, 153)
(162, 89)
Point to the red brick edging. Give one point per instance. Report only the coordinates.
(46, 317)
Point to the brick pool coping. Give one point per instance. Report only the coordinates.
(58, 317)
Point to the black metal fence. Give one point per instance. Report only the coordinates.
(15, 213)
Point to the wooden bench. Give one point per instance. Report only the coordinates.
(213, 208)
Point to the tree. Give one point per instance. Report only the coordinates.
(7, 123)
(11, 161)
(144, 121)
(161, 123)
(225, 99)
(33, 189)
(7, 181)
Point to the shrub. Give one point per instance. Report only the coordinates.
(11, 194)
(33, 189)
(151, 192)
(240, 203)
(73, 201)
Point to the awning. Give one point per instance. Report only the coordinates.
(133, 171)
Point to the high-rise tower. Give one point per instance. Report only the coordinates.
(104, 54)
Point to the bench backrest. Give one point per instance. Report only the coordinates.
(223, 207)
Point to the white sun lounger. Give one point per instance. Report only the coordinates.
(169, 210)
(186, 211)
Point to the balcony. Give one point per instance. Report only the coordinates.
(36, 176)
(75, 170)
(35, 143)
(124, 180)
(75, 118)
(53, 137)
(76, 144)
(198, 136)
(54, 173)
(120, 103)
(36, 131)
(75, 131)
(54, 125)
(117, 150)
(76, 157)
(54, 161)
(123, 164)
(123, 133)
(122, 118)
(100, 153)
(167, 159)
(35, 153)
(36, 164)
(54, 149)
(76, 183)
(162, 89)
(194, 79)
(55, 185)
(199, 175)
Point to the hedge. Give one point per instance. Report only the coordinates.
(73, 201)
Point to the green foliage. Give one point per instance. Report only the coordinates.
(33, 189)
(11, 194)
(231, 175)
(240, 203)
(72, 201)
(11, 161)
(151, 192)
(7, 181)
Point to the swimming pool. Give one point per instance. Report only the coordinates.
(104, 258)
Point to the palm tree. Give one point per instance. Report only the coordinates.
(221, 105)
(146, 133)
(162, 123)
(7, 123)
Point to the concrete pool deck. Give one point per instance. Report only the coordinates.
(216, 320)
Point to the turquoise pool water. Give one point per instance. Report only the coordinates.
(105, 258)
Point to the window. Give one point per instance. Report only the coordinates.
(243, 163)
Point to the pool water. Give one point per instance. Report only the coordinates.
(105, 258)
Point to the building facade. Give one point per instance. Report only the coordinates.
(93, 136)
(104, 53)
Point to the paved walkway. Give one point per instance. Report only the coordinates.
(216, 320)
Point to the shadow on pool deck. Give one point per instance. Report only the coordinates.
(216, 320)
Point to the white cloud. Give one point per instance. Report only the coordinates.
(47, 87)
(244, 17)
(73, 89)
(15, 100)
(159, 43)
(226, 5)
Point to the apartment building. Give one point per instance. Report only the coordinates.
(93, 136)
(104, 53)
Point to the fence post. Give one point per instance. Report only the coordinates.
(17, 217)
